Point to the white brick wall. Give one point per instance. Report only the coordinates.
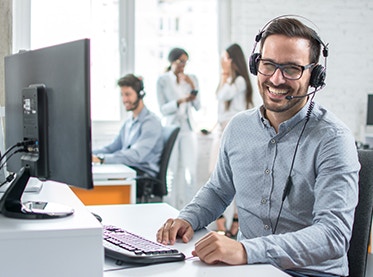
(348, 28)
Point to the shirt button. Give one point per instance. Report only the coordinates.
(264, 201)
(267, 171)
(266, 227)
(273, 141)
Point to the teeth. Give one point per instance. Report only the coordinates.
(277, 91)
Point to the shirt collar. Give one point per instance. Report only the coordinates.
(288, 124)
(144, 112)
(172, 75)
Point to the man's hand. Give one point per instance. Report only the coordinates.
(95, 159)
(214, 248)
(175, 228)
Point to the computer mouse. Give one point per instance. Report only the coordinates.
(99, 218)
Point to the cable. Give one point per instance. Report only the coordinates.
(15, 152)
(8, 179)
(23, 144)
(289, 181)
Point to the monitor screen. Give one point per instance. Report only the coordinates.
(370, 110)
(47, 107)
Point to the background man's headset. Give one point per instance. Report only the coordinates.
(317, 79)
(141, 93)
(318, 73)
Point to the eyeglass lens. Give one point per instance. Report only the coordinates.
(289, 71)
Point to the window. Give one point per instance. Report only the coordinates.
(127, 36)
(58, 22)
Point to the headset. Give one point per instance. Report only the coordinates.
(141, 93)
(318, 73)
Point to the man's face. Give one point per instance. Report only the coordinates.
(280, 49)
(129, 98)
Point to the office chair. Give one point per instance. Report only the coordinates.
(154, 188)
(358, 251)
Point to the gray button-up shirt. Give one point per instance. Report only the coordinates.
(254, 163)
(139, 143)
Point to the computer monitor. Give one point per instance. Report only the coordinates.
(47, 119)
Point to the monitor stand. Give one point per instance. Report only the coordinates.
(12, 206)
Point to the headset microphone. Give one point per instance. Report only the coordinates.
(289, 97)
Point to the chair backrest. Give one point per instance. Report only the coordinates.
(169, 137)
(358, 252)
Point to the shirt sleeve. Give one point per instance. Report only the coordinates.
(167, 105)
(112, 147)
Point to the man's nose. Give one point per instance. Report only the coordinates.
(277, 78)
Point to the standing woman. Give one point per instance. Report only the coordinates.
(177, 95)
(234, 94)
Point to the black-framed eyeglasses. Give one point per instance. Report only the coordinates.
(289, 71)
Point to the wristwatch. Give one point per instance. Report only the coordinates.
(101, 158)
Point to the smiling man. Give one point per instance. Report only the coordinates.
(291, 164)
(139, 143)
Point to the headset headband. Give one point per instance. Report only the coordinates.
(318, 74)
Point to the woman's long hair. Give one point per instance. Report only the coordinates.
(239, 68)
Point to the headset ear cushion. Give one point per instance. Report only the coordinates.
(318, 76)
(253, 63)
(141, 94)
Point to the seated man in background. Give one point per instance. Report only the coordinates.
(290, 163)
(139, 143)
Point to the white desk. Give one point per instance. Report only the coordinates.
(70, 246)
(115, 174)
(145, 219)
(113, 184)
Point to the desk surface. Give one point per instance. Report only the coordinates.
(58, 247)
(145, 219)
(112, 172)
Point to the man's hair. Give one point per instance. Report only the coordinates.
(132, 81)
(292, 27)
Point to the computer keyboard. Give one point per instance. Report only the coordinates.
(127, 247)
